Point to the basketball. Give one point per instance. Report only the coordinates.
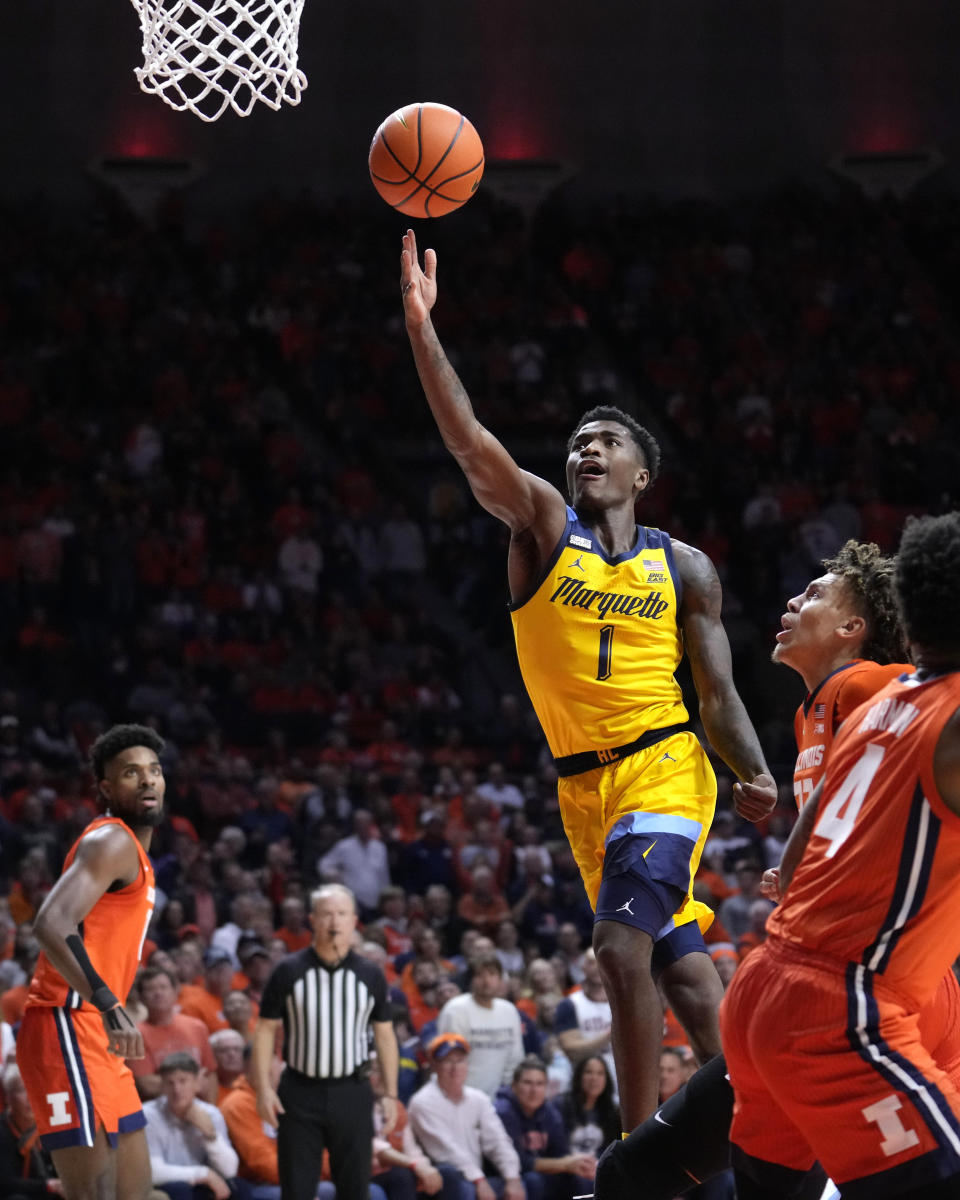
(426, 160)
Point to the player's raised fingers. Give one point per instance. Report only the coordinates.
(430, 264)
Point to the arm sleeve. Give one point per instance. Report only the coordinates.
(164, 1172)
(220, 1154)
(495, 1142)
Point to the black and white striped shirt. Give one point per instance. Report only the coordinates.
(326, 1011)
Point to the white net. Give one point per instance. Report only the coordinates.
(204, 56)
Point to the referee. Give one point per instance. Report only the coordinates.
(325, 996)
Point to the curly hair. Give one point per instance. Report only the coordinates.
(644, 440)
(869, 575)
(121, 737)
(927, 581)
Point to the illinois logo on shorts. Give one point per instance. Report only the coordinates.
(74, 1083)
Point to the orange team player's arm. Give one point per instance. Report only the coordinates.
(246, 1131)
(106, 856)
(946, 773)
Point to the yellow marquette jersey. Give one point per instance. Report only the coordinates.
(599, 641)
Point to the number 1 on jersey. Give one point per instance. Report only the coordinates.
(605, 660)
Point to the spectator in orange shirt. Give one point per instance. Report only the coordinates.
(421, 992)
(294, 931)
(726, 960)
(393, 906)
(256, 964)
(756, 931)
(228, 1048)
(166, 1031)
(25, 954)
(188, 957)
(30, 887)
(539, 983)
(206, 1001)
(239, 1012)
(255, 1141)
(483, 906)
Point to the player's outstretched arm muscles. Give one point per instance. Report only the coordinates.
(724, 717)
(521, 500)
(104, 857)
(946, 764)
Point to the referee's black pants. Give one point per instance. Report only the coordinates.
(319, 1114)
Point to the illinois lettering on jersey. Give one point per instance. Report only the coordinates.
(825, 708)
(599, 641)
(113, 934)
(876, 887)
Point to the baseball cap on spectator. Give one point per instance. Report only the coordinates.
(214, 956)
(445, 1043)
(187, 931)
(185, 826)
(250, 948)
(724, 950)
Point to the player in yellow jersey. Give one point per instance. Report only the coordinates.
(603, 611)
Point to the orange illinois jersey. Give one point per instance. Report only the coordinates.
(599, 641)
(877, 885)
(829, 704)
(113, 932)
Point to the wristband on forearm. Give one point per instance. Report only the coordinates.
(101, 996)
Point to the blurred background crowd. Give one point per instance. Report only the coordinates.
(225, 512)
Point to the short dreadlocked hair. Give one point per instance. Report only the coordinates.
(927, 581)
(645, 442)
(121, 737)
(869, 575)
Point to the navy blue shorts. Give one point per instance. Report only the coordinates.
(630, 894)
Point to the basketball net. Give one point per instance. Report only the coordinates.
(204, 56)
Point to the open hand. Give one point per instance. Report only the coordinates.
(417, 287)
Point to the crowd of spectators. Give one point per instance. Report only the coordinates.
(224, 512)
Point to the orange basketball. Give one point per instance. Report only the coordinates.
(426, 160)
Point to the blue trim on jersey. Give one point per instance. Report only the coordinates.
(66, 1137)
(666, 545)
(913, 875)
(930, 1104)
(79, 1084)
(132, 1122)
(612, 560)
(654, 823)
(811, 696)
(647, 538)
